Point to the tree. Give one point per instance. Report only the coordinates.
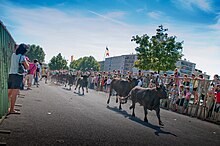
(158, 53)
(58, 63)
(85, 63)
(36, 52)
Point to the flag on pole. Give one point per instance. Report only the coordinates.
(106, 52)
(72, 58)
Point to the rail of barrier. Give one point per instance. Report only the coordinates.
(7, 44)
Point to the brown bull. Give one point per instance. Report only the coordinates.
(149, 98)
(122, 88)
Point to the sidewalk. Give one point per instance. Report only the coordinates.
(23, 128)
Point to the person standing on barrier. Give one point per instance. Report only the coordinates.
(15, 78)
(194, 86)
(176, 77)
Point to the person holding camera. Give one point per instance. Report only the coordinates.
(18, 66)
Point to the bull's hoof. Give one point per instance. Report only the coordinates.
(133, 115)
(130, 107)
(120, 108)
(146, 120)
(161, 123)
(107, 101)
(117, 100)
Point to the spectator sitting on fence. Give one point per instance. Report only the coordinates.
(165, 80)
(186, 80)
(15, 79)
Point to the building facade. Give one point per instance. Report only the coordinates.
(123, 63)
(185, 67)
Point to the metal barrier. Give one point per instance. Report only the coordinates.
(6, 48)
(202, 109)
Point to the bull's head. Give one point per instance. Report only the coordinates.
(134, 82)
(162, 92)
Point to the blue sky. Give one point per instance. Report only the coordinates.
(86, 27)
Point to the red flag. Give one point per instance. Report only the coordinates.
(107, 52)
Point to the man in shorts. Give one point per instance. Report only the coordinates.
(44, 74)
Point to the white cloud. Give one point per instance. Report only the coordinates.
(155, 14)
(204, 5)
(201, 48)
(117, 14)
(217, 25)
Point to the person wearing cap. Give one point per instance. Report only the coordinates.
(15, 79)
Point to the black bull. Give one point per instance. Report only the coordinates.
(82, 82)
(149, 98)
(122, 88)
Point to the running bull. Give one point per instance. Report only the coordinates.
(149, 98)
(122, 89)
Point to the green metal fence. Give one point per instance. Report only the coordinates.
(6, 48)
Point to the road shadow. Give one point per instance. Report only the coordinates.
(158, 129)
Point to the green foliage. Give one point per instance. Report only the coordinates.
(158, 53)
(85, 63)
(58, 62)
(36, 52)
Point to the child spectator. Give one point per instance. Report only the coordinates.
(186, 101)
(174, 96)
(181, 97)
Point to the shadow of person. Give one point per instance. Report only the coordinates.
(158, 129)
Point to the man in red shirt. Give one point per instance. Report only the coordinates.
(217, 98)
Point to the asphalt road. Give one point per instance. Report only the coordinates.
(53, 115)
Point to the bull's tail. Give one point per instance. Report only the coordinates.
(126, 98)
